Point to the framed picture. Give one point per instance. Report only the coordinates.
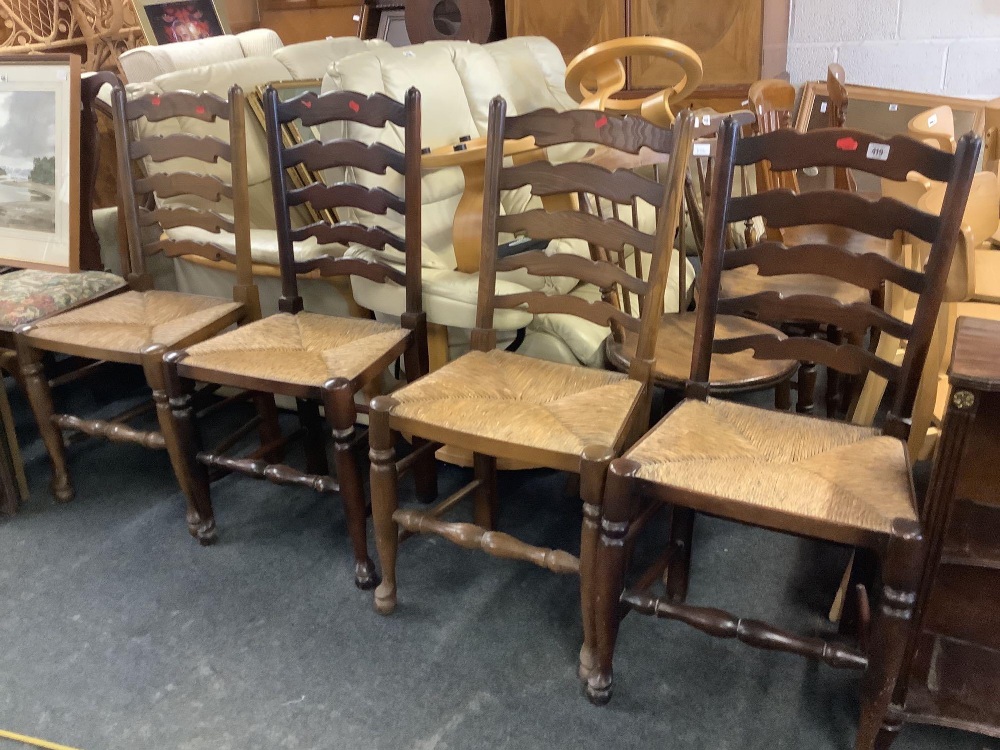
(40, 161)
(293, 134)
(180, 20)
(384, 19)
(882, 111)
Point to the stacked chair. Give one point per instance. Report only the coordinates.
(794, 474)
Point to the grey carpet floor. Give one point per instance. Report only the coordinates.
(119, 632)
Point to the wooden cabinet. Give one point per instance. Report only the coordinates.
(305, 20)
(954, 676)
(739, 41)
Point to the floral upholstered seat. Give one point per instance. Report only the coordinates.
(30, 295)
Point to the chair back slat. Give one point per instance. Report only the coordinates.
(595, 215)
(313, 109)
(555, 179)
(788, 150)
(373, 200)
(867, 270)
(880, 218)
(205, 186)
(377, 110)
(187, 192)
(345, 152)
(610, 233)
(181, 145)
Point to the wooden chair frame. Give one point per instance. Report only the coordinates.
(902, 549)
(30, 339)
(336, 395)
(548, 128)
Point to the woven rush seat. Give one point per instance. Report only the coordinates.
(730, 372)
(832, 472)
(744, 281)
(305, 349)
(506, 398)
(128, 322)
(30, 295)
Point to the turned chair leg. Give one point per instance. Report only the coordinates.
(833, 377)
(315, 442)
(191, 474)
(152, 366)
(36, 386)
(806, 388)
(678, 570)
(341, 413)
(621, 505)
(783, 395)
(385, 499)
(884, 685)
(593, 472)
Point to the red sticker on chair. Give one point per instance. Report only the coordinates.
(307, 104)
(354, 106)
(199, 110)
(600, 123)
(847, 144)
(156, 101)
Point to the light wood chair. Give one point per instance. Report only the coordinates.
(139, 325)
(804, 476)
(504, 405)
(318, 359)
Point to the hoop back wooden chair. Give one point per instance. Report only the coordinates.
(800, 475)
(317, 359)
(504, 405)
(139, 325)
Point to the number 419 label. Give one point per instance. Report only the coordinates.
(878, 151)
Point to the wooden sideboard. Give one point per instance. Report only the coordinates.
(739, 41)
(954, 655)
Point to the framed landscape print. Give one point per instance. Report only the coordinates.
(883, 111)
(180, 20)
(40, 161)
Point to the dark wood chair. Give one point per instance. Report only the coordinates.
(138, 325)
(504, 405)
(317, 359)
(730, 374)
(799, 475)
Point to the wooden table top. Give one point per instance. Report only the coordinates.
(975, 359)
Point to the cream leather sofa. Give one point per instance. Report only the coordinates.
(457, 81)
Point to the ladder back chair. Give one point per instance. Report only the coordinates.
(318, 359)
(730, 374)
(139, 325)
(800, 475)
(505, 405)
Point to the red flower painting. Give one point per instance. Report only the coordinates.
(183, 21)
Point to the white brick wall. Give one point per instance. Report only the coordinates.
(918, 45)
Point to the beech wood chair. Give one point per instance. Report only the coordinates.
(139, 325)
(503, 405)
(819, 478)
(317, 359)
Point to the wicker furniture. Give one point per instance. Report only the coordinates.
(138, 325)
(503, 405)
(820, 478)
(319, 359)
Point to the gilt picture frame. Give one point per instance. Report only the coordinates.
(168, 21)
(40, 161)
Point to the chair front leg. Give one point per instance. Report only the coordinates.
(153, 368)
(36, 386)
(341, 413)
(192, 475)
(884, 683)
(593, 472)
(621, 505)
(385, 498)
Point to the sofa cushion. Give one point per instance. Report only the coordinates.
(312, 59)
(263, 244)
(29, 295)
(146, 63)
(537, 65)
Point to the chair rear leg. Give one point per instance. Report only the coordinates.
(486, 502)
(341, 413)
(678, 571)
(884, 683)
(806, 388)
(316, 458)
(621, 505)
(425, 469)
(593, 473)
(385, 499)
(36, 386)
(192, 475)
(269, 431)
